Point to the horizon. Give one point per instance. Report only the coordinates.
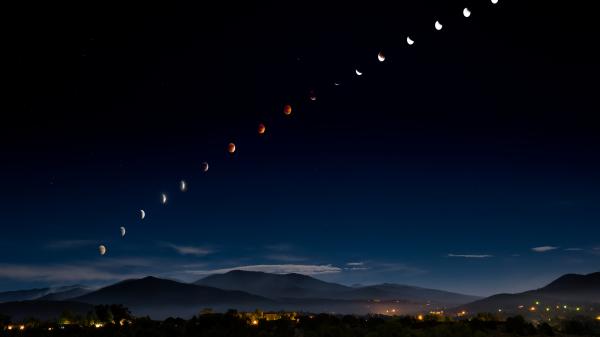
(405, 142)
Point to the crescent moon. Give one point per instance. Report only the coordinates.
(381, 56)
(183, 186)
(336, 84)
(123, 231)
(205, 167)
(102, 249)
(466, 12)
(438, 25)
(358, 72)
(142, 214)
(164, 198)
(409, 41)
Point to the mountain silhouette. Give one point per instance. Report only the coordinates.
(571, 290)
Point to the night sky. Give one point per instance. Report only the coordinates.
(467, 162)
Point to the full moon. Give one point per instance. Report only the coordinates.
(438, 25)
(231, 148)
(466, 12)
(381, 56)
(494, 1)
(409, 41)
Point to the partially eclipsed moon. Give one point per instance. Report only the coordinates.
(102, 249)
(466, 12)
(358, 72)
(204, 167)
(164, 198)
(142, 214)
(231, 148)
(123, 231)
(287, 110)
(409, 41)
(381, 56)
(182, 186)
(261, 129)
(438, 25)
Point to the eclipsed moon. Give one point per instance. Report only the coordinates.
(438, 25)
(409, 41)
(287, 110)
(358, 72)
(102, 249)
(466, 12)
(261, 129)
(231, 148)
(381, 56)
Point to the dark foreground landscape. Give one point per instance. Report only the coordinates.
(104, 322)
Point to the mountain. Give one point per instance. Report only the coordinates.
(275, 286)
(162, 298)
(390, 291)
(296, 286)
(572, 290)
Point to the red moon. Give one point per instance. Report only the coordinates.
(261, 128)
(287, 110)
(231, 148)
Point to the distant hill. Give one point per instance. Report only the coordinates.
(573, 290)
(65, 294)
(296, 286)
(162, 298)
(57, 293)
(23, 295)
(275, 286)
(390, 291)
(43, 310)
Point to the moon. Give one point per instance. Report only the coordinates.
(142, 214)
(381, 56)
(438, 25)
(261, 129)
(409, 41)
(164, 198)
(204, 167)
(287, 110)
(494, 1)
(123, 231)
(336, 83)
(231, 148)
(102, 249)
(466, 12)
(182, 186)
(312, 96)
(358, 72)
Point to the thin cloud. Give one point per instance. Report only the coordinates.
(285, 258)
(189, 250)
(471, 256)
(573, 249)
(543, 249)
(276, 269)
(355, 264)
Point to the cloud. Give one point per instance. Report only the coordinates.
(471, 256)
(573, 249)
(285, 258)
(189, 250)
(355, 264)
(543, 249)
(60, 273)
(69, 244)
(276, 269)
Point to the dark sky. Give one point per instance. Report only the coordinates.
(444, 166)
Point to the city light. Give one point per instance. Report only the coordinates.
(420, 317)
(598, 318)
(254, 322)
(532, 309)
